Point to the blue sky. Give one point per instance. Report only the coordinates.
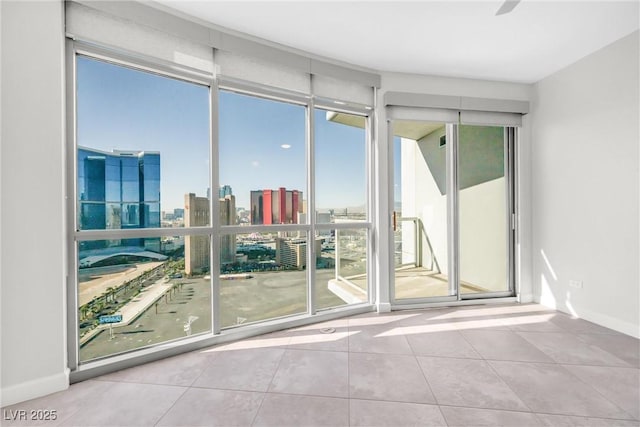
(119, 108)
(262, 142)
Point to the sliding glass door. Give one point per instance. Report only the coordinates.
(483, 209)
(452, 206)
(420, 218)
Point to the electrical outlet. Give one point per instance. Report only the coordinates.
(575, 284)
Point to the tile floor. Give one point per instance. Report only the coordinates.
(508, 365)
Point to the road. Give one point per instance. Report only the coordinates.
(95, 281)
(265, 295)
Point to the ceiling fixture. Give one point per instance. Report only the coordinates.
(507, 7)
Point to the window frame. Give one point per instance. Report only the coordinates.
(310, 227)
(108, 363)
(75, 49)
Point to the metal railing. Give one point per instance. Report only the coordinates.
(420, 242)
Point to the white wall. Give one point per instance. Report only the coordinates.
(32, 247)
(421, 198)
(585, 135)
(483, 235)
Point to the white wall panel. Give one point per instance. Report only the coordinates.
(32, 325)
(585, 149)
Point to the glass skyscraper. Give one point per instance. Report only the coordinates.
(119, 190)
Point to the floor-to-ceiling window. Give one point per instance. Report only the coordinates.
(342, 211)
(263, 174)
(297, 241)
(142, 170)
(202, 208)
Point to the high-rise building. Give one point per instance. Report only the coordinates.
(196, 248)
(196, 252)
(225, 190)
(280, 206)
(119, 190)
(228, 217)
(291, 252)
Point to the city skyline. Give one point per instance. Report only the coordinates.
(262, 143)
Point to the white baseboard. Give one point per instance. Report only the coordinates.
(621, 326)
(624, 327)
(34, 388)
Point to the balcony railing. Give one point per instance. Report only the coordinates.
(413, 247)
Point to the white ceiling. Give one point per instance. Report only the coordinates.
(447, 38)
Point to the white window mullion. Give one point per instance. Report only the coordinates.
(311, 209)
(214, 209)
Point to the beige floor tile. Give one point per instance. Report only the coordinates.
(387, 377)
(330, 336)
(209, 407)
(504, 345)
(575, 325)
(567, 348)
(573, 421)
(180, 370)
(468, 382)
(622, 346)
(473, 417)
(62, 405)
(620, 385)
(316, 373)
(375, 413)
(127, 404)
(548, 388)
(282, 410)
(378, 339)
(249, 370)
(442, 344)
